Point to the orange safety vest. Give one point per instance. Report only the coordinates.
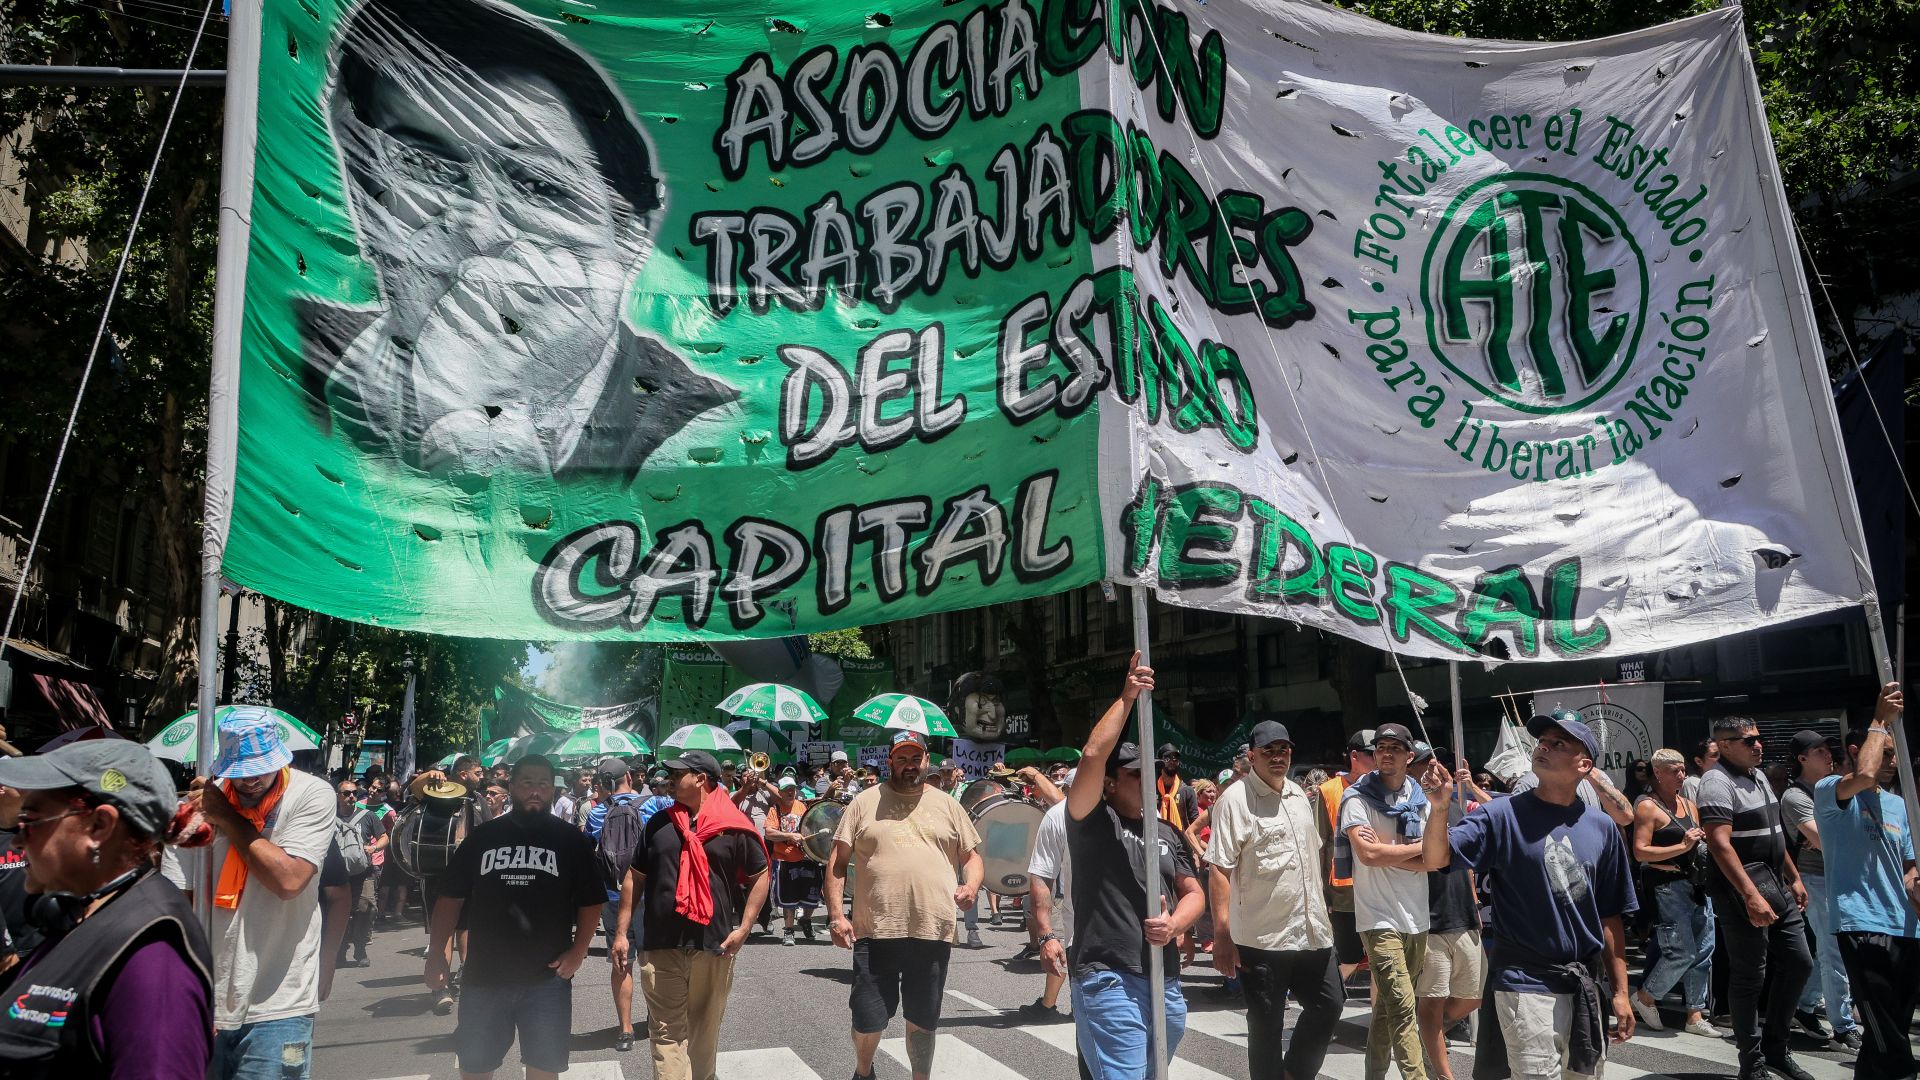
(1330, 794)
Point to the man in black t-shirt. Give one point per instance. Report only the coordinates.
(695, 927)
(529, 886)
(1113, 934)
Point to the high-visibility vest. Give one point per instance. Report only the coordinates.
(1330, 794)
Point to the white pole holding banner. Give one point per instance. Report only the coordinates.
(1459, 737)
(1150, 834)
(238, 130)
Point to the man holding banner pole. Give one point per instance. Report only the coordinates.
(1121, 919)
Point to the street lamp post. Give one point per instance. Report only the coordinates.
(403, 749)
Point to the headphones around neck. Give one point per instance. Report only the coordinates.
(56, 914)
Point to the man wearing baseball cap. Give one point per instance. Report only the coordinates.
(1269, 912)
(273, 826)
(1559, 877)
(916, 863)
(1348, 950)
(122, 983)
(1814, 759)
(1382, 819)
(700, 876)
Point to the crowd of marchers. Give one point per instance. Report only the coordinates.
(1456, 893)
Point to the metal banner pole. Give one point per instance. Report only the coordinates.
(238, 130)
(1883, 663)
(1150, 833)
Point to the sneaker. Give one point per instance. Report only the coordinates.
(623, 1042)
(973, 940)
(1649, 1014)
(1811, 1024)
(359, 956)
(1460, 1034)
(1845, 1042)
(1037, 1011)
(443, 1003)
(1027, 952)
(1785, 1066)
(1704, 1030)
(786, 938)
(993, 918)
(806, 927)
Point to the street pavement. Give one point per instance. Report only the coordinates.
(787, 1020)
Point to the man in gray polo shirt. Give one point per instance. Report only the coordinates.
(1758, 898)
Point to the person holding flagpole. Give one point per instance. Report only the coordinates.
(1114, 932)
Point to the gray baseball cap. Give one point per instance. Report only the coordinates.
(116, 771)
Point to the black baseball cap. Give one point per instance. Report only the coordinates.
(1127, 756)
(612, 769)
(1397, 732)
(1361, 742)
(1168, 750)
(695, 761)
(1807, 739)
(1268, 732)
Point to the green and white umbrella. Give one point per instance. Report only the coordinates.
(601, 742)
(446, 763)
(904, 712)
(773, 703)
(701, 737)
(492, 754)
(180, 740)
(508, 751)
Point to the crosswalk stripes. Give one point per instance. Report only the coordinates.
(973, 1053)
(1061, 1037)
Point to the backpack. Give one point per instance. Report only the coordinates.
(353, 848)
(619, 836)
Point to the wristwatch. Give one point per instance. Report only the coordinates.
(1053, 935)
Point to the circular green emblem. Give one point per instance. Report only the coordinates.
(790, 710)
(1535, 292)
(177, 734)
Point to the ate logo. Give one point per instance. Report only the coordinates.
(1535, 292)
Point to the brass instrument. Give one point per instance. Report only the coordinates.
(759, 762)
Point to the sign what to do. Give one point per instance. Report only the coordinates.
(662, 322)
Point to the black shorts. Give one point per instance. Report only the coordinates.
(797, 884)
(1348, 949)
(908, 974)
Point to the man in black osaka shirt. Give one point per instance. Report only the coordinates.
(1112, 929)
(529, 885)
(700, 874)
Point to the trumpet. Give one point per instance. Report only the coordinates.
(759, 762)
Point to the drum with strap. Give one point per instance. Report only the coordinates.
(426, 836)
(1009, 826)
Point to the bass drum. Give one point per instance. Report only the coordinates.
(424, 840)
(979, 791)
(1008, 826)
(817, 827)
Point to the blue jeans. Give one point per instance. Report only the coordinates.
(1684, 930)
(1829, 981)
(1113, 1019)
(269, 1050)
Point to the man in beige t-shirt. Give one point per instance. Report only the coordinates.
(911, 846)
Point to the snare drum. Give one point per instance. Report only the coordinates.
(1008, 826)
(424, 840)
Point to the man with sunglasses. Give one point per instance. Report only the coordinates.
(1270, 919)
(1758, 899)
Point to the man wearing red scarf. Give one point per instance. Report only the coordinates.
(700, 873)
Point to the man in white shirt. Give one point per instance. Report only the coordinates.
(1270, 920)
(1050, 878)
(273, 826)
(1382, 819)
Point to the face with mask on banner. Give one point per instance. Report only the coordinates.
(504, 195)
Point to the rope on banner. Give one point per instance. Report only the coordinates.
(100, 333)
(1418, 703)
(1886, 433)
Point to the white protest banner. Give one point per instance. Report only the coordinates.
(1629, 720)
(873, 757)
(976, 758)
(818, 751)
(1542, 382)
